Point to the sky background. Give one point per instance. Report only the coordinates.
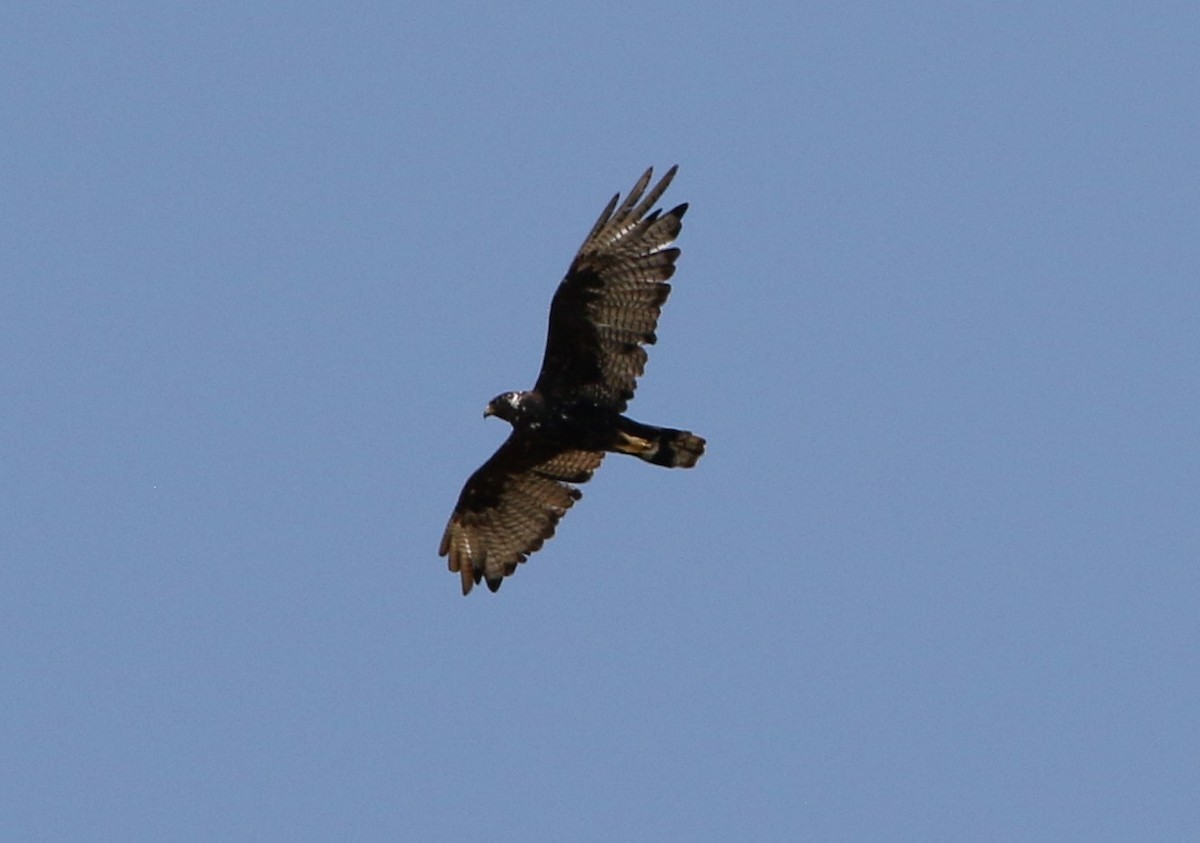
(937, 315)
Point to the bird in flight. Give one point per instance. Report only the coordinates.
(603, 313)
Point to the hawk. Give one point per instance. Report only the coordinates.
(603, 313)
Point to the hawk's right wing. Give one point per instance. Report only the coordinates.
(511, 505)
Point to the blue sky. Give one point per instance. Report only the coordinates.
(935, 579)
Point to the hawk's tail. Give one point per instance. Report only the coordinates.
(659, 445)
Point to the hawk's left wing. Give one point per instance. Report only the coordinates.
(607, 306)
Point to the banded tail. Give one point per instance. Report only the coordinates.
(664, 446)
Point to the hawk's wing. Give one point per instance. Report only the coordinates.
(607, 306)
(511, 505)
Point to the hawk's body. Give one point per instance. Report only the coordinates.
(604, 311)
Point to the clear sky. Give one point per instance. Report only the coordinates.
(936, 578)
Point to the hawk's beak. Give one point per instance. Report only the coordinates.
(487, 411)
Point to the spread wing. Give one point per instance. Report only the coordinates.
(511, 505)
(607, 306)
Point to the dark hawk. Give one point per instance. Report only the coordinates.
(604, 311)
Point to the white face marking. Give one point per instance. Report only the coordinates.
(513, 400)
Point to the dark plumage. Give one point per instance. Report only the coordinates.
(605, 310)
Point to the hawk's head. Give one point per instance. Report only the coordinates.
(507, 406)
(514, 407)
